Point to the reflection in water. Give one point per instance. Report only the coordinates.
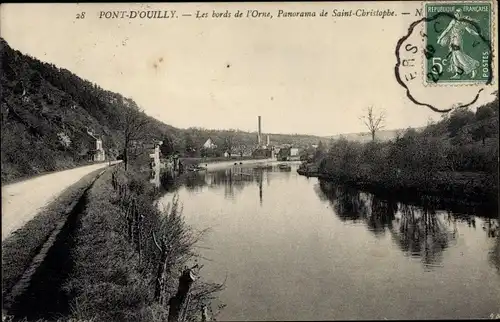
(382, 215)
(260, 187)
(353, 205)
(492, 229)
(418, 231)
(234, 180)
(289, 257)
(348, 203)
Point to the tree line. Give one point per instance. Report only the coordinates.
(456, 155)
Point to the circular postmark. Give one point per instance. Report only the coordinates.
(446, 58)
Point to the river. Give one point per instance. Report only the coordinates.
(293, 248)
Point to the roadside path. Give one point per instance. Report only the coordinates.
(21, 201)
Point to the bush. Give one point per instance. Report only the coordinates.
(425, 160)
(117, 260)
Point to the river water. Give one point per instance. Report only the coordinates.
(295, 248)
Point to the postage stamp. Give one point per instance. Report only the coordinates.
(458, 42)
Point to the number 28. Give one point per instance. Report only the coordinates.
(80, 15)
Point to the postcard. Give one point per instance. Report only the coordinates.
(262, 161)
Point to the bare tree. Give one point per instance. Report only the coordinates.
(373, 121)
(134, 122)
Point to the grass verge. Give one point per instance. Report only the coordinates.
(19, 249)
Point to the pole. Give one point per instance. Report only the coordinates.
(176, 303)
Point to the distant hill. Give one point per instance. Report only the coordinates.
(383, 135)
(48, 111)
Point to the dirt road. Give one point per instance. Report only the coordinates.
(21, 201)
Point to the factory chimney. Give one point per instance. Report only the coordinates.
(259, 138)
(268, 141)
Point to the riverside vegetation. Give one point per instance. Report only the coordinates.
(129, 255)
(456, 157)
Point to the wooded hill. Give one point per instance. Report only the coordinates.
(47, 111)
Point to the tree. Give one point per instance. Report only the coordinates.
(189, 146)
(459, 118)
(242, 149)
(167, 147)
(133, 124)
(35, 82)
(320, 151)
(373, 121)
(484, 126)
(227, 145)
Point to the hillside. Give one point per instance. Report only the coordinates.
(47, 113)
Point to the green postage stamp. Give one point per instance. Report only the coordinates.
(459, 42)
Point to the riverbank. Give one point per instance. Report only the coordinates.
(461, 187)
(227, 164)
(220, 160)
(128, 254)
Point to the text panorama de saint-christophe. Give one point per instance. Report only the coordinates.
(167, 14)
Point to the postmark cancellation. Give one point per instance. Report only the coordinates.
(446, 58)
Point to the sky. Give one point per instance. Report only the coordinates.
(302, 75)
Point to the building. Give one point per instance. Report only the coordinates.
(96, 153)
(262, 152)
(209, 144)
(283, 154)
(156, 164)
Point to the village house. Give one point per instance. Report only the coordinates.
(96, 153)
(209, 144)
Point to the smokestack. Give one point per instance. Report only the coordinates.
(268, 140)
(260, 132)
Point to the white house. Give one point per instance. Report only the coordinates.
(97, 154)
(209, 144)
(294, 152)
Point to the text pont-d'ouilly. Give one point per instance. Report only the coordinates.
(141, 14)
